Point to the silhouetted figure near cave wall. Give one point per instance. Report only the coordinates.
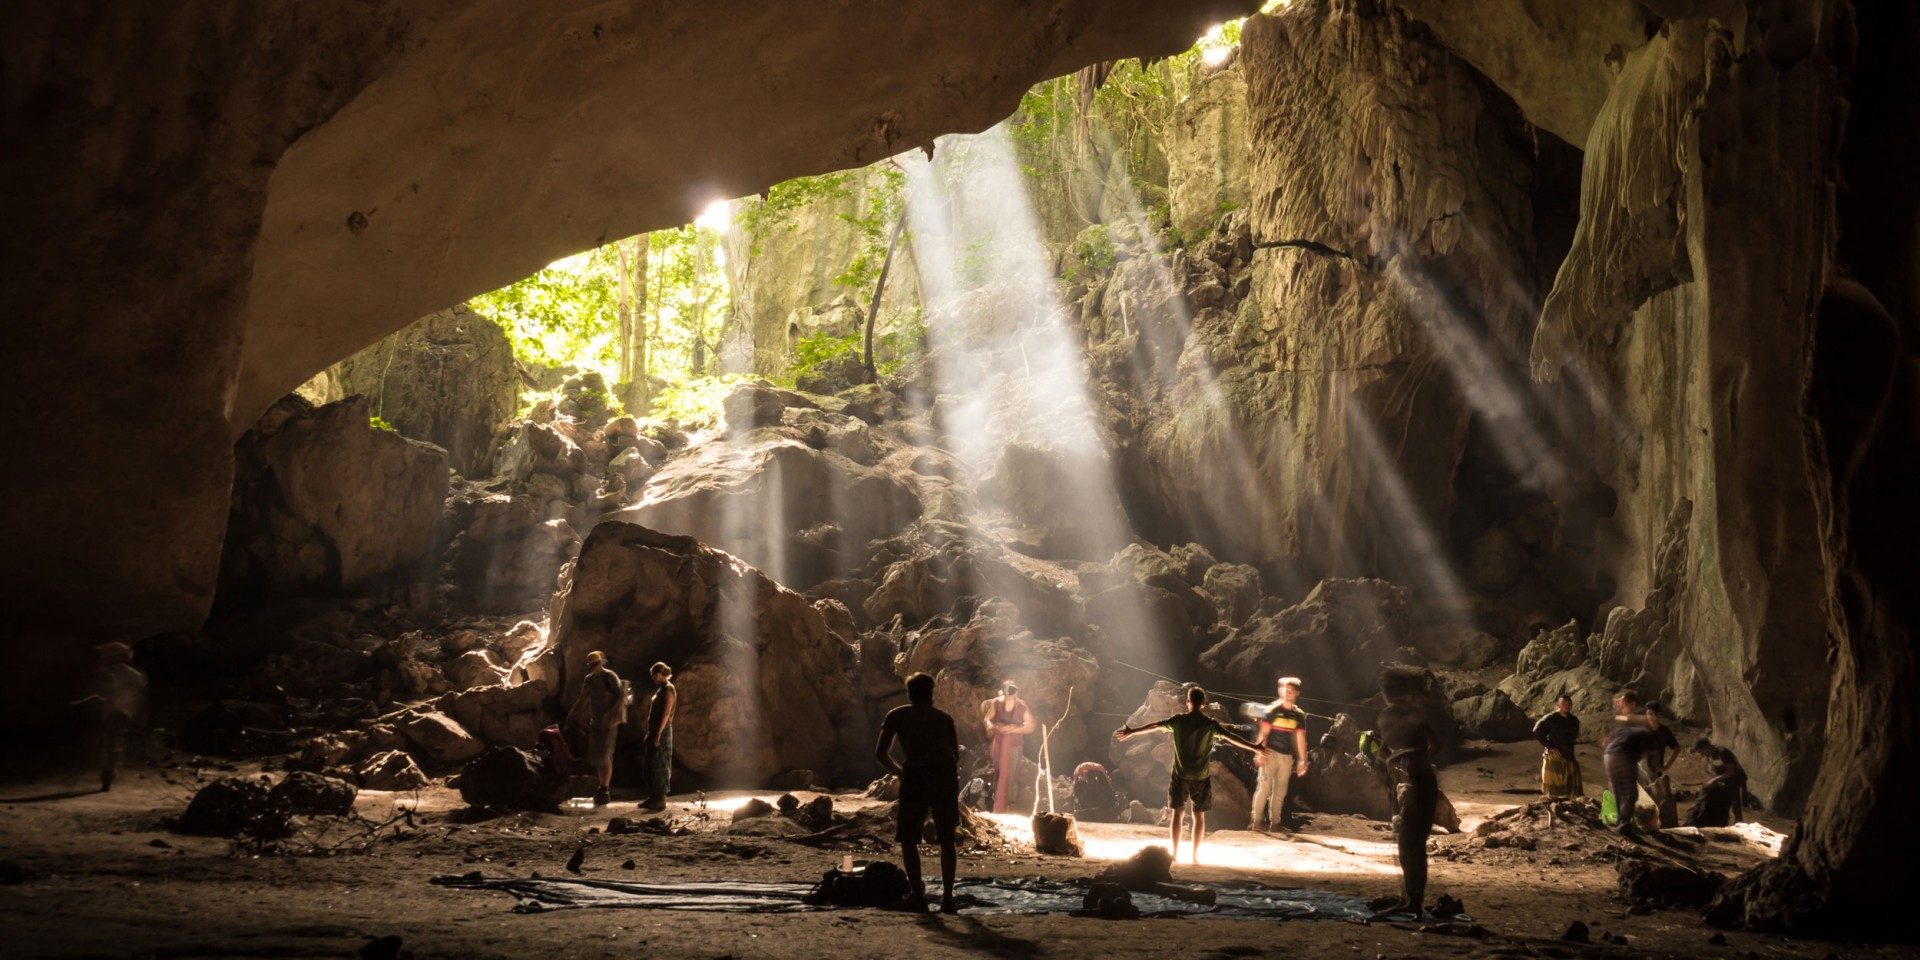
(118, 697)
(1410, 743)
(929, 784)
(659, 759)
(1722, 798)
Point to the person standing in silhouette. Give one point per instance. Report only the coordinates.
(1410, 744)
(118, 696)
(660, 736)
(1008, 721)
(605, 699)
(929, 784)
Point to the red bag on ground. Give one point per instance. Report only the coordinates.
(559, 757)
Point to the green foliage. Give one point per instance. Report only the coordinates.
(688, 295)
(379, 424)
(976, 262)
(565, 314)
(695, 401)
(1094, 253)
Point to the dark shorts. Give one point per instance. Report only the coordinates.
(923, 794)
(1199, 791)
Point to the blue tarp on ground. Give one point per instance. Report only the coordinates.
(1245, 901)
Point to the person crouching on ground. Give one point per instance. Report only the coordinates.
(1410, 744)
(660, 737)
(605, 700)
(1283, 730)
(1194, 734)
(1721, 802)
(929, 784)
(1558, 732)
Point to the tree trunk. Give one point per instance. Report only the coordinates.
(631, 308)
(880, 288)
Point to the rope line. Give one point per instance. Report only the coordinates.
(1245, 697)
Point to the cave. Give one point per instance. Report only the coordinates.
(396, 357)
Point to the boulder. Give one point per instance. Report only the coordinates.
(1344, 783)
(439, 738)
(1552, 651)
(1335, 639)
(513, 779)
(1459, 645)
(393, 770)
(1056, 835)
(304, 792)
(748, 493)
(323, 502)
(512, 715)
(231, 806)
(474, 668)
(764, 682)
(1235, 590)
(448, 379)
(509, 557)
(1492, 716)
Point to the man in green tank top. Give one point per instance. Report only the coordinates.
(1194, 734)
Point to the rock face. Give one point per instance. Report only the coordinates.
(327, 503)
(764, 684)
(448, 379)
(781, 470)
(1339, 636)
(1207, 151)
(1365, 323)
(781, 268)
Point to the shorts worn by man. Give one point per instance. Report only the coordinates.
(929, 783)
(1194, 734)
(605, 698)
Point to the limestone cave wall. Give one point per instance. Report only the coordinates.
(215, 200)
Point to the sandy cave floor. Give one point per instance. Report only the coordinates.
(111, 881)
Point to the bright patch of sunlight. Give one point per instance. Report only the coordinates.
(718, 216)
(1237, 849)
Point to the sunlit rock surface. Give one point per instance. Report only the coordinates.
(797, 492)
(765, 684)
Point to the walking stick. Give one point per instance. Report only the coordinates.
(1046, 758)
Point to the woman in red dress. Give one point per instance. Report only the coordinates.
(1008, 721)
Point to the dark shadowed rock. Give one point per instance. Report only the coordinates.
(1335, 639)
(305, 792)
(764, 680)
(514, 779)
(231, 806)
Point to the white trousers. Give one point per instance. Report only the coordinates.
(1270, 796)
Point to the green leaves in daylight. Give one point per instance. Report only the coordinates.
(562, 315)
